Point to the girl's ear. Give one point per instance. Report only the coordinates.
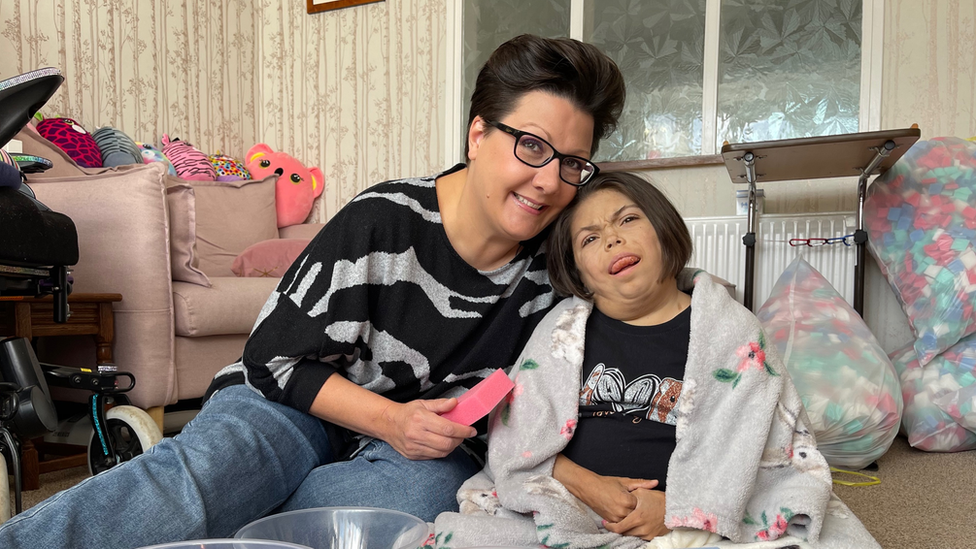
(476, 133)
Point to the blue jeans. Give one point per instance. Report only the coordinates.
(239, 459)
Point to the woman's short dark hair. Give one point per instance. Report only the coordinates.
(671, 230)
(567, 68)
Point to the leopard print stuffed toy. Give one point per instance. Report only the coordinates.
(73, 139)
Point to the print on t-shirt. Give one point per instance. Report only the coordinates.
(648, 396)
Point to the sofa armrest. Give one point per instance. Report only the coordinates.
(123, 240)
(304, 230)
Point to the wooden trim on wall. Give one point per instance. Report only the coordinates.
(314, 7)
(662, 163)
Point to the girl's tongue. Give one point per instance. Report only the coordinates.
(623, 263)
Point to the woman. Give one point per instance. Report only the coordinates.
(414, 292)
(649, 398)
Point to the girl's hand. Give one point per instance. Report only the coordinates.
(646, 521)
(417, 431)
(610, 497)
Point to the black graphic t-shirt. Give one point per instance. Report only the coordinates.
(631, 383)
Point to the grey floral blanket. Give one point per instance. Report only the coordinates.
(745, 469)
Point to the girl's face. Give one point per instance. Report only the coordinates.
(519, 201)
(617, 252)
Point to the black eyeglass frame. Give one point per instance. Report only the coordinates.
(518, 134)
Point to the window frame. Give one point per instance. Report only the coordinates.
(869, 108)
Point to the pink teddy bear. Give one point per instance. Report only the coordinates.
(297, 186)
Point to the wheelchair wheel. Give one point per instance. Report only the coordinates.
(130, 431)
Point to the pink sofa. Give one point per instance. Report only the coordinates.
(167, 246)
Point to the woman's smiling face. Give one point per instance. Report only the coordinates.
(617, 252)
(519, 201)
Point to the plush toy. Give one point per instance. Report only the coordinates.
(71, 138)
(297, 186)
(227, 168)
(117, 148)
(190, 163)
(151, 154)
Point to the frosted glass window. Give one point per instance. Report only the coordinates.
(788, 68)
(658, 46)
(785, 68)
(490, 23)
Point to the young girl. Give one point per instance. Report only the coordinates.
(647, 402)
(409, 296)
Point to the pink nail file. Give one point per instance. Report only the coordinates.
(480, 399)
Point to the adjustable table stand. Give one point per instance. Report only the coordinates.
(866, 154)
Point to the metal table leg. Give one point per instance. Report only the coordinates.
(860, 235)
(749, 239)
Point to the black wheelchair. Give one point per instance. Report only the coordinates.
(37, 248)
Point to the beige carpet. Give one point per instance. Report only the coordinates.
(924, 500)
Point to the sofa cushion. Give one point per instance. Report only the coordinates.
(118, 214)
(269, 258)
(198, 359)
(182, 232)
(229, 306)
(230, 216)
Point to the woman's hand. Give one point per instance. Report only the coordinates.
(646, 521)
(414, 428)
(610, 497)
(417, 431)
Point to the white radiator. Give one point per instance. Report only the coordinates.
(718, 249)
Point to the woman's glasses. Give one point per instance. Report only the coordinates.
(535, 151)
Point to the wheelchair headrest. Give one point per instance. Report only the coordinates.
(22, 96)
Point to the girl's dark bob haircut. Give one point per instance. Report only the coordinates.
(664, 217)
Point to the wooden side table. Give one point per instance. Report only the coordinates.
(91, 314)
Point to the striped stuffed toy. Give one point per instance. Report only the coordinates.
(189, 162)
(117, 148)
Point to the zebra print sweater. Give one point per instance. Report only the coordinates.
(381, 297)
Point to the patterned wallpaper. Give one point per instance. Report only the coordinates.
(929, 68)
(355, 91)
(147, 68)
(358, 91)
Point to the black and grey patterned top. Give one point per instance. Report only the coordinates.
(381, 297)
